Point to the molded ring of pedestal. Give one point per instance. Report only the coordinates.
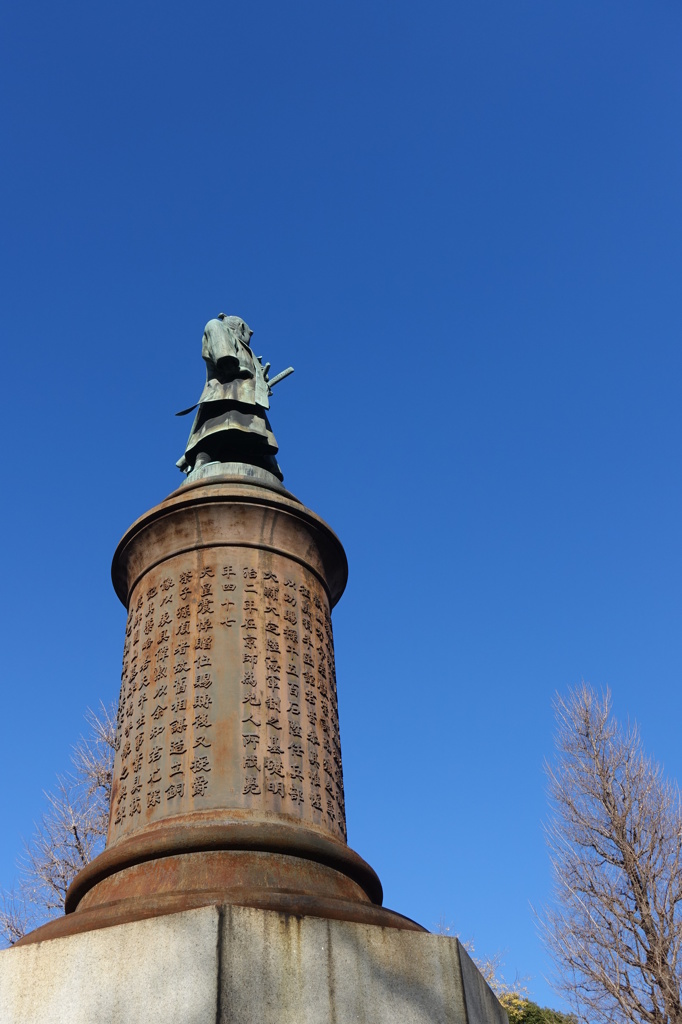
(302, 846)
(184, 522)
(246, 873)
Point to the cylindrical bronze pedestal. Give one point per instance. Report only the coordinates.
(228, 783)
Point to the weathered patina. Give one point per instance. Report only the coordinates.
(231, 424)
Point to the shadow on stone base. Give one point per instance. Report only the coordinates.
(238, 965)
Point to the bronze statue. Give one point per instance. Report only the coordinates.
(231, 424)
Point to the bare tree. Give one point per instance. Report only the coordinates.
(614, 928)
(68, 835)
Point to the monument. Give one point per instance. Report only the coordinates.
(227, 830)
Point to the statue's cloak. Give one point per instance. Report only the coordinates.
(230, 424)
(232, 371)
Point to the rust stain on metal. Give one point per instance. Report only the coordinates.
(228, 781)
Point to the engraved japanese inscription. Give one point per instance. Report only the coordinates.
(228, 693)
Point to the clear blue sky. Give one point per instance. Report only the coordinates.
(460, 222)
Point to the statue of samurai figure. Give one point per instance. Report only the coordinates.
(231, 424)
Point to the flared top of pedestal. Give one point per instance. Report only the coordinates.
(263, 515)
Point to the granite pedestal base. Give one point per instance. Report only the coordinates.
(238, 965)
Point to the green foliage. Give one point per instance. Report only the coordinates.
(524, 1011)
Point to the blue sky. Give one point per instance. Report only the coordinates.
(460, 222)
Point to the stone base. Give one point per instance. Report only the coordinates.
(237, 965)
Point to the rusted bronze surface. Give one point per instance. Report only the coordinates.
(228, 700)
(228, 784)
(280, 847)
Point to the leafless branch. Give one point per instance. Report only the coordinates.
(614, 927)
(70, 832)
